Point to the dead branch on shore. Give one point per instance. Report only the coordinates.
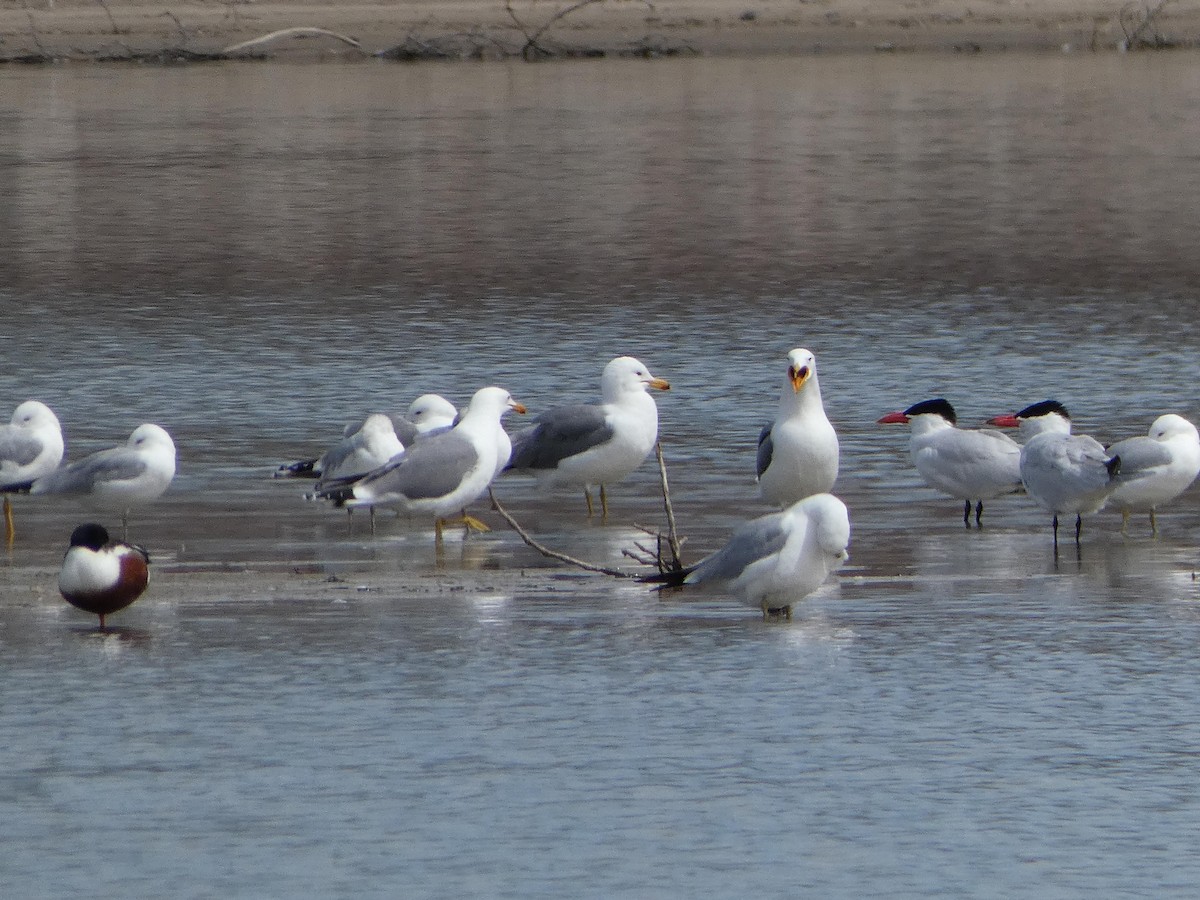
(1137, 20)
(656, 557)
(533, 49)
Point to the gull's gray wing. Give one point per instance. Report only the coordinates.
(766, 448)
(82, 477)
(18, 446)
(557, 434)
(751, 542)
(1139, 455)
(429, 469)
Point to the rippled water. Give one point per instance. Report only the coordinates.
(253, 255)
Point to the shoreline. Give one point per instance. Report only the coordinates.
(486, 29)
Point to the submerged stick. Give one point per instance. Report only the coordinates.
(546, 551)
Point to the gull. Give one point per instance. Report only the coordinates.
(31, 445)
(132, 474)
(370, 446)
(1156, 467)
(965, 463)
(1064, 473)
(102, 576)
(441, 474)
(594, 444)
(776, 560)
(798, 452)
(428, 414)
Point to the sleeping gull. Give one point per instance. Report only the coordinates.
(594, 444)
(776, 560)
(367, 448)
(427, 414)
(1065, 473)
(441, 474)
(31, 445)
(798, 452)
(1156, 467)
(965, 463)
(132, 474)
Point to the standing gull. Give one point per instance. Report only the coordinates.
(1065, 473)
(1156, 467)
(594, 444)
(798, 452)
(965, 463)
(441, 474)
(132, 474)
(31, 445)
(102, 576)
(776, 560)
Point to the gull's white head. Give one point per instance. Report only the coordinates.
(492, 402)
(34, 414)
(431, 411)
(1172, 426)
(831, 520)
(151, 437)
(802, 367)
(627, 375)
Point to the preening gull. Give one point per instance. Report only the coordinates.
(798, 452)
(776, 560)
(372, 445)
(594, 444)
(31, 445)
(135, 473)
(1156, 467)
(965, 463)
(438, 475)
(1064, 473)
(102, 576)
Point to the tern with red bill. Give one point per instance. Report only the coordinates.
(965, 463)
(1065, 473)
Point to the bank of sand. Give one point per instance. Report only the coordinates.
(92, 28)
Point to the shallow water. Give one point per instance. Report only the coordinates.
(252, 256)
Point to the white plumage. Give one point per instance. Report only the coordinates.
(1156, 467)
(798, 451)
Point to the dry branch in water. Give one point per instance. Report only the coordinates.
(646, 556)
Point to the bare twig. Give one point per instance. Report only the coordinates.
(1136, 27)
(532, 37)
(111, 20)
(303, 31)
(553, 554)
(183, 35)
(672, 535)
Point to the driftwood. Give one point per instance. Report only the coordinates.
(299, 31)
(657, 557)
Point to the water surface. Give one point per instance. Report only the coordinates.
(253, 255)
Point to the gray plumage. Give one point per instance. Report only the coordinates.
(766, 447)
(752, 541)
(557, 434)
(19, 447)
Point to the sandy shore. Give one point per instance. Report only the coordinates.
(88, 29)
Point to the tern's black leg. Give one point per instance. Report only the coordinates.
(1078, 527)
(979, 514)
(967, 513)
(1056, 534)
